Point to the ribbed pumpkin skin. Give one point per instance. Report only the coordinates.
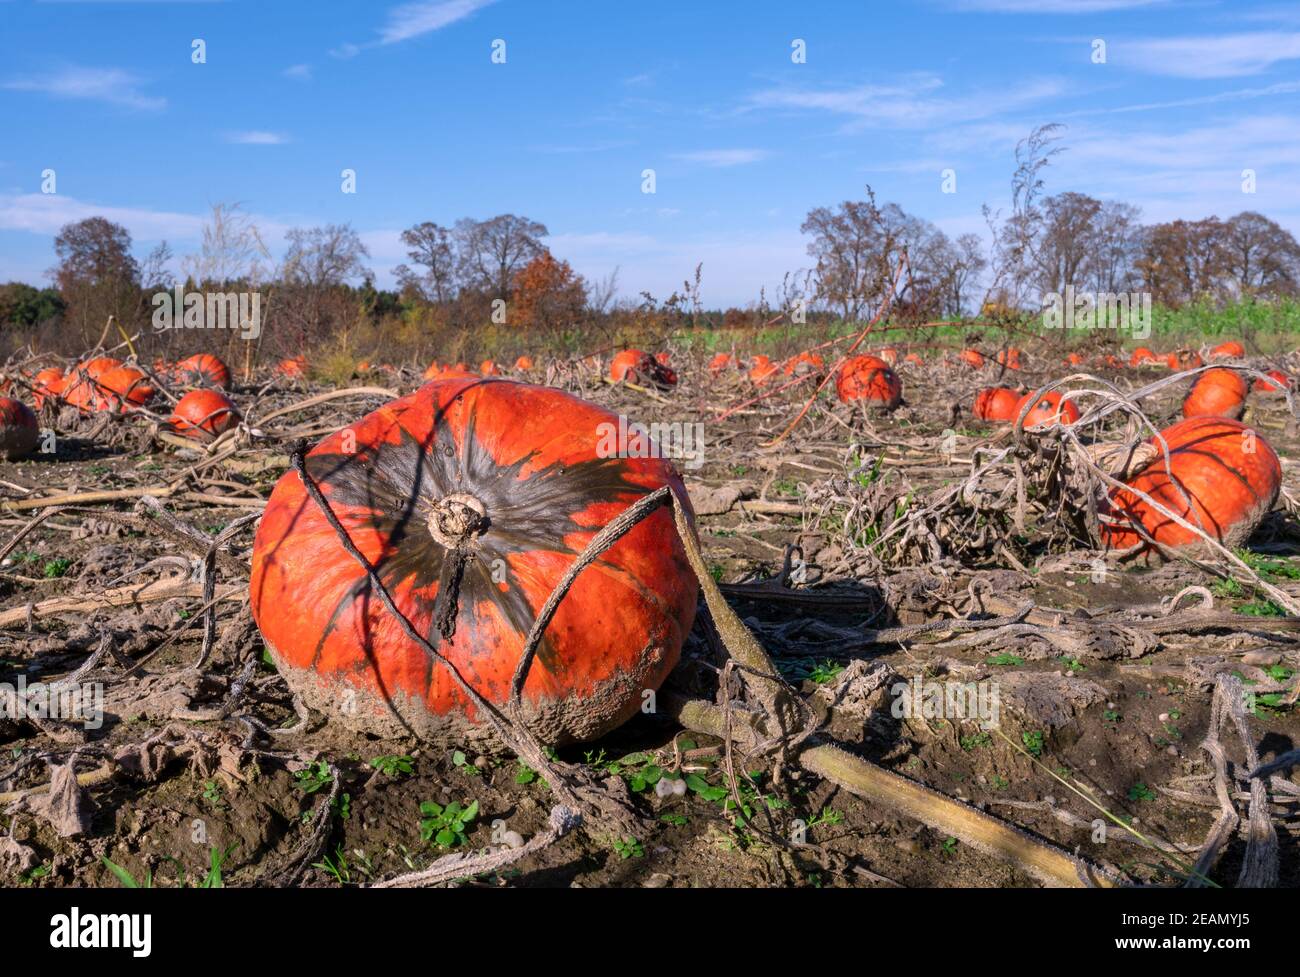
(529, 454)
(1231, 488)
(996, 404)
(203, 414)
(18, 431)
(868, 378)
(203, 370)
(1219, 392)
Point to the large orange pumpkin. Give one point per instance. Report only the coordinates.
(1229, 473)
(19, 433)
(116, 388)
(1219, 392)
(868, 378)
(204, 370)
(203, 414)
(996, 404)
(486, 491)
(1049, 409)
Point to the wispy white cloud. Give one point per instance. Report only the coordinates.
(416, 19)
(111, 85)
(1236, 95)
(257, 138)
(723, 157)
(41, 213)
(1212, 56)
(299, 72)
(914, 102)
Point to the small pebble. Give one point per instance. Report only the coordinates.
(679, 788)
(1163, 717)
(513, 839)
(664, 788)
(658, 881)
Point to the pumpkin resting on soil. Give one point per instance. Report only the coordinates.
(1229, 473)
(18, 430)
(1219, 392)
(1229, 350)
(1277, 382)
(996, 404)
(496, 485)
(867, 378)
(203, 414)
(638, 367)
(47, 385)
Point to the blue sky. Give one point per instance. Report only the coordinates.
(743, 141)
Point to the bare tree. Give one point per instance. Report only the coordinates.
(1261, 257)
(1117, 244)
(96, 275)
(491, 251)
(851, 246)
(231, 249)
(431, 248)
(324, 256)
(1066, 242)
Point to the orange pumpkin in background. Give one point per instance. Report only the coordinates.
(663, 359)
(762, 370)
(205, 370)
(1276, 382)
(1228, 472)
(19, 433)
(523, 364)
(47, 385)
(723, 361)
(889, 355)
(1184, 360)
(807, 363)
(1218, 392)
(203, 414)
(1049, 409)
(867, 378)
(1229, 350)
(972, 358)
(439, 371)
(488, 368)
(471, 501)
(1141, 356)
(1010, 358)
(639, 367)
(996, 404)
(294, 368)
(913, 358)
(1074, 359)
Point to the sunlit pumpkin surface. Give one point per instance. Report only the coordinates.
(1228, 472)
(531, 457)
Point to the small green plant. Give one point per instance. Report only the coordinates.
(827, 815)
(1033, 742)
(999, 782)
(446, 826)
(1141, 792)
(973, 741)
(628, 848)
(216, 859)
(677, 820)
(394, 765)
(1005, 658)
(335, 866)
(56, 567)
(825, 672)
(314, 777)
(30, 877)
(125, 877)
(212, 793)
(1111, 716)
(949, 846)
(461, 763)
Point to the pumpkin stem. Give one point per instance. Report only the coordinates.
(454, 521)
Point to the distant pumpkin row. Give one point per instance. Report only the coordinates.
(107, 384)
